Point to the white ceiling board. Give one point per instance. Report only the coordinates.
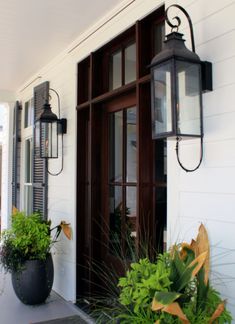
(33, 32)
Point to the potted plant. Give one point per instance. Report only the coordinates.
(173, 289)
(25, 253)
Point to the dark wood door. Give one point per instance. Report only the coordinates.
(119, 182)
(83, 204)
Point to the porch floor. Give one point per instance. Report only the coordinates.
(12, 311)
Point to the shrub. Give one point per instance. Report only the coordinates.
(174, 289)
(29, 238)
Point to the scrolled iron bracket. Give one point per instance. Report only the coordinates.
(176, 25)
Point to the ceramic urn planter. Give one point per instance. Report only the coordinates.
(33, 284)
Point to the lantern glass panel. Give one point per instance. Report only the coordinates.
(188, 106)
(49, 139)
(162, 109)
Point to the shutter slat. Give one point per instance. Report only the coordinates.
(40, 179)
(16, 156)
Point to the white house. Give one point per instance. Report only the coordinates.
(112, 168)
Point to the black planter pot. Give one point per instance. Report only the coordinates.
(33, 284)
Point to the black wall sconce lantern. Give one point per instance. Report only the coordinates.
(48, 127)
(178, 78)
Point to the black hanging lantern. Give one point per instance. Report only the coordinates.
(176, 81)
(47, 133)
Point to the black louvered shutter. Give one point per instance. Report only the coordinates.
(40, 179)
(16, 156)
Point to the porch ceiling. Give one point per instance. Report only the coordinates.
(32, 32)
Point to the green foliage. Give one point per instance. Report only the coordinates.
(28, 239)
(203, 315)
(174, 289)
(168, 280)
(166, 297)
(141, 282)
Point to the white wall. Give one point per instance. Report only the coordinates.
(208, 195)
(6, 141)
(62, 74)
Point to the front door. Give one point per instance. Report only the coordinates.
(119, 182)
(121, 178)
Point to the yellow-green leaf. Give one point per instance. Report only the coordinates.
(203, 245)
(166, 297)
(199, 261)
(175, 309)
(14, 210)
(66, 229)
(183, 251)
(156, 306)
(219, 310)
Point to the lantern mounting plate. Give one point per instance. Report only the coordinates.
(62, 126)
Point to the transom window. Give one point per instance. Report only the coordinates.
(122, 66)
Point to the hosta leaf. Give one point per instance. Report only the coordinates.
(179, 264)
(166, 298)
(193, 246)
(219, 310)
(184, 278)
(156, 306)
(202, 290)
(202, 243)
(14, 210)
(184, 250)
(199, 261)
(175, 309)
(187, 253)
(66, 229)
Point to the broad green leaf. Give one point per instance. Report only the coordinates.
(180, 267)
(199, 261)
(187, 253)
(202, 291)
(175, 309)
(156, 306)
(167, 297)
(184, 278)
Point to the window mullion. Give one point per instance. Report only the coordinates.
(123, 66)
(124, 180)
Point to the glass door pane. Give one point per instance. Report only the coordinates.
(115, 146)
(115, 219)
(122, 145)
(131, 145)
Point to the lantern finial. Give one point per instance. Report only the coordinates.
(179, 22)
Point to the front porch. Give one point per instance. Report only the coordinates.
(55, 308)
